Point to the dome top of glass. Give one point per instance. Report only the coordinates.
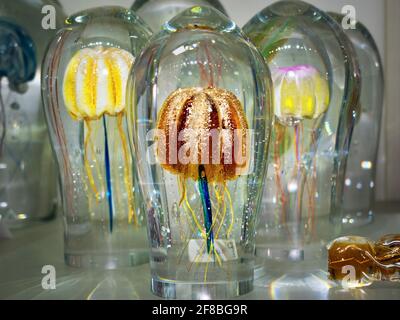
(216, 4)
(108, 12)
(110, 26)
(158, 12)
(201, 17)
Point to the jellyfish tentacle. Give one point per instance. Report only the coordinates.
(313, 181)
(127, 172)
(88, 169)
(96, 163)
(280, 134)
(190, 221)
(207, 210)
(108, 175)
(223, 216)
(202, 249)
(297, 168)
(217, 218)
(296, 157)
(193, 214)
(230, 228)
(182, 189)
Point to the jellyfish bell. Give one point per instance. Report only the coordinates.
(300, 93)
(94, 82)
(212, 127)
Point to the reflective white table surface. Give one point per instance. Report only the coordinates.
(23, 256)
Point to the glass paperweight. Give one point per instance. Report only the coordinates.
(25, 150)
(84, 84)
(156, 12)
(358, 262)
(315, 95)
(359, 184)
(199, 110)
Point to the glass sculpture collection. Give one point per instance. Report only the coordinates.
(25, 151)
(84, 86)
(200, 148)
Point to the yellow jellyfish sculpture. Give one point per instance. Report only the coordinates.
(94, 86)
(301, 93)
(202, 136)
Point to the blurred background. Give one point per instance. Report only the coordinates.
(381, 17)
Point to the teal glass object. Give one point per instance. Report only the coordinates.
(360, 178)
(28, 174)
(316, 91)
(200, 79)
(156, 12)
(17, 54)
(83, 87)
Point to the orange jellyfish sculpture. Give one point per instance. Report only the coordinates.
(202, 136)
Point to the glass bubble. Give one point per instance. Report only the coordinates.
(200, 117)
(316, 84)
(84, 87)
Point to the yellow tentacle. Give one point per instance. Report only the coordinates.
(127, 172)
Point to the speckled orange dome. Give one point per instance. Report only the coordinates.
(202, 126)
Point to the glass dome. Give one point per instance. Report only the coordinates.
(25, 151)
(315, 99)
(157, 12)
(199, 106)
(359, 187)
(83, 84)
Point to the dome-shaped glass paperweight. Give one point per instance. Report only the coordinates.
(315, 96)
(359, 184)
(28, 174)
(156, 12)
(199, 110)
(84, 84)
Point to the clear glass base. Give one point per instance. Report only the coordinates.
(296, 284)
(281, 265)
(21, 220)
(200, 291)
(357, 218)
(107, 261)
